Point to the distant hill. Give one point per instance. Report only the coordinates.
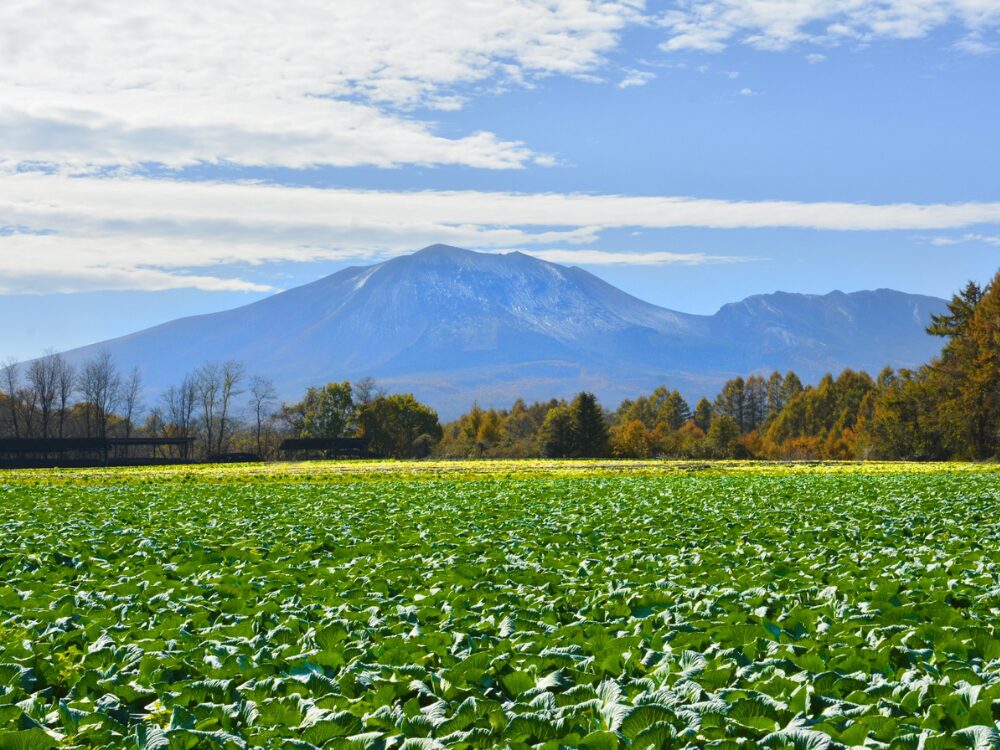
(454, 326)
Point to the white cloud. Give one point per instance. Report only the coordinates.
(62, 203)
(974, 44)
(984, 239)
(747, 92)
(814, 58)
(712, 25)
(655, 258)
(34, 263)
(132, 231)
(117, 83)
(634, 78)
(307, 133)
(296, 84)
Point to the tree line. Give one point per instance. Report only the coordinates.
(947, 409)
(223, 408)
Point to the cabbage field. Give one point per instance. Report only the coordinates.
(512, 606)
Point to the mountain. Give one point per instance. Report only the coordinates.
(454, 326)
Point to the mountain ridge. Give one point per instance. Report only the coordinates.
(455, 326)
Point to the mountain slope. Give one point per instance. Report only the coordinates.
(454, 326)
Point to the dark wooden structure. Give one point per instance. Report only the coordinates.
(325, 448)
(31, 453)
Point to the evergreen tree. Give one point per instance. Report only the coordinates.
(775, 395)
(960, 311)
(755, 402)
(674, 411)
(702, 416)
(967, 375)
(590, 429)
(471, 423)
(723, 435)
(731, 401)
(791, 386)
(950, 408)
(556, 438)
(820, 422)
(983, 383)
(642, 409)
(490, 432)
(901, 423)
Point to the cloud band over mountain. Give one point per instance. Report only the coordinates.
(70, 234)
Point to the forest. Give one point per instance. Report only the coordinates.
(948, 409)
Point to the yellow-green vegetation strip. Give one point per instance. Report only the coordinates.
(381, 471)
(729, 607)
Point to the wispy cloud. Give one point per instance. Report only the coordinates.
(974, 44)
(83, 279)
(713, 25)
(296, 84)
(588, 257)
(983, 239)
(80, 233)
(635, 78)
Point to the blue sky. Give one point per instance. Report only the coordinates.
(173, 159)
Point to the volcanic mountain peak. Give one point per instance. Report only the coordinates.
(454, 326)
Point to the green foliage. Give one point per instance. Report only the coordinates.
(722, 436)
(702, 414)
(632, 439)
(731, 402)
(903, 419)
(960, 311)
(949, 408)
(590, 430)
(326, 412)
(512, 433)
(967, 380)
(767, 608)
(555, 438)
(660, 407)
(577, 430)
(826, 415)
(399, 426)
